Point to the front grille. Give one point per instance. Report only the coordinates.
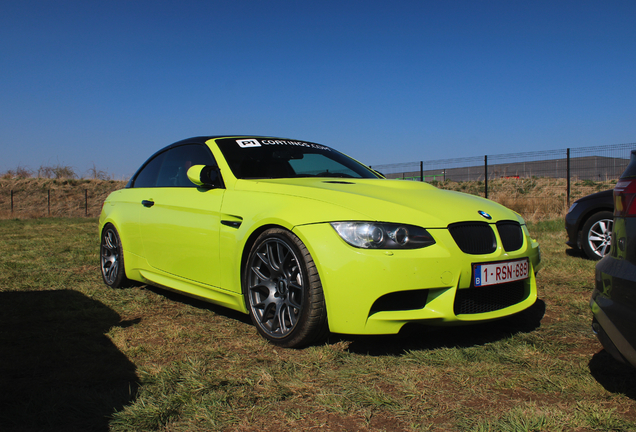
(475, 238)
(489, 298)
(511, 235)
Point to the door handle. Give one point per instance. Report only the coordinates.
(147, 203)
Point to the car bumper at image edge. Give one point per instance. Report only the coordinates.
(604, 327)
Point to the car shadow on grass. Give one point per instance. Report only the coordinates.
(200, 304)
(58, 369)
(577, 253)
(420, 337)
(411, 337)
(614, 376)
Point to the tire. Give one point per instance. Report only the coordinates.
(112, 258)
(596, 234)
(282, 290)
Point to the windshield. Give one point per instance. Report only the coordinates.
(251, 158)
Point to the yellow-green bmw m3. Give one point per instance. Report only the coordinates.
(307, 240)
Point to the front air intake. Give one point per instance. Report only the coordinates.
(489, 298)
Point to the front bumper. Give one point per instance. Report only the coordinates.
(379, 291)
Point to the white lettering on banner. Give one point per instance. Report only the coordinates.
(295, 143)
(284, 142)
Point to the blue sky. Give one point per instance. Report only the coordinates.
(110, 82)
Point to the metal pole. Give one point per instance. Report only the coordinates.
(86, 202)
(49, 201)
(421, 171)
(568, 176)
(11, 201)
(486, 176)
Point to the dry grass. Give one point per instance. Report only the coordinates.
(41, 197)
(535, 199)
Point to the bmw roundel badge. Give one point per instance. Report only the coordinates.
(484, 214)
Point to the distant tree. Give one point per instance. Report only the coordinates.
(64, 172)
(96, 174)
(45, 172)
(57, 171)
(23, 172)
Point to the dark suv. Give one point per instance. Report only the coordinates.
(613, 300)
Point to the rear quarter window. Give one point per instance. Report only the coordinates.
(170, 168)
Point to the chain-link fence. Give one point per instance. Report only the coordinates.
(31, 198)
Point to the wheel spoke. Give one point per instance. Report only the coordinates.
(257, 271)
(112, 271)
(274, 257)
(111, 242)
(285, 319)
(264, 258)
(295, 295)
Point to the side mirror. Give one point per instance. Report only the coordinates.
(205, 176)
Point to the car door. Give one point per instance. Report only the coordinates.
(178, 222)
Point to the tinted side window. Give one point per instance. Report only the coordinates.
(178, 160)
(147, 177)
(170, 168)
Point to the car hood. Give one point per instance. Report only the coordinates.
(397, 201)
(603, 196)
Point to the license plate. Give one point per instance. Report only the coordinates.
(500, 272)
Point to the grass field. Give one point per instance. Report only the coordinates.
(79, 356)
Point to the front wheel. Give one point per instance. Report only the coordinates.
(597, 235)
(283, 292)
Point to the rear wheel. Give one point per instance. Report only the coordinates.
(596, 235)
(112, 258)
(283, 292)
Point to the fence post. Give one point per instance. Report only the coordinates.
(86, 202)
(421, 171)
(486, 176)
(11, 201)
(568, 176)
(49, 201)
(444, 175)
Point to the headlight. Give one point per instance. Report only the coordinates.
(377, 235)
(572, 207)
